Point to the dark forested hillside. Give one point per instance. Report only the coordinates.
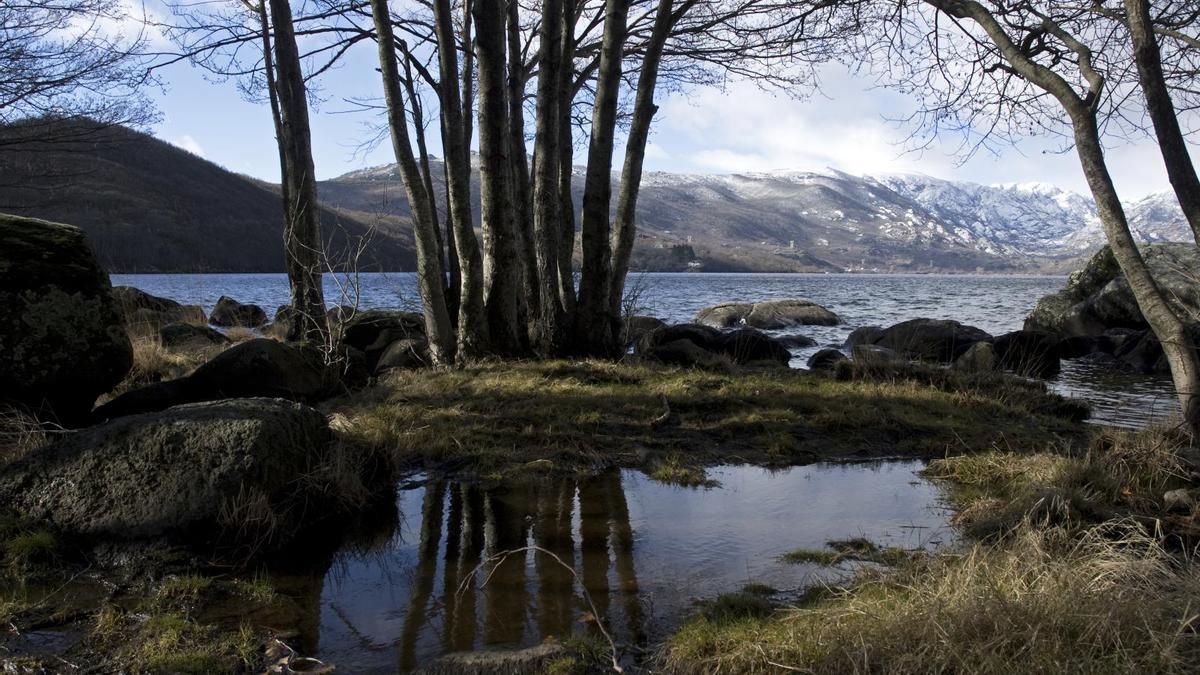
(150, 206)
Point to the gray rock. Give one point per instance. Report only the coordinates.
(1030, 353)
(864, 335)
(938, 340)
(1098, 297)
(874, 355)
(230, 313)
(373, 331)
(143, 312)
(404, 354)
(635, 327)
(742, 346)
(176, 336)
(767, 315)
(979, 358)
(174, 471)
(1181, 499)
(62, 339)
(250, 369)
(826, 359)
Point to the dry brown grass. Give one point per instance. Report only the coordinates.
(20, 434)
(1075, 575)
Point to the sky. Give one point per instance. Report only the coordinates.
(847, 126)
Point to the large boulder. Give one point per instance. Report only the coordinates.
(864, 335)
(146, 313)
(1098, 297)
(404, 355)
(182, 470)
(979, 358)
(1028, 352)
(741, 346)
(250, 369)
(939, 340)
(62, 341)
(373, 331)
(767, 315)
(230, 313)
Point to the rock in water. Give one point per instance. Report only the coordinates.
(1097, 297)
(175, 471)
(937, 340)
(1028, 352)
(230, 313)
(767, 315)
(979, 358)
(62, 341)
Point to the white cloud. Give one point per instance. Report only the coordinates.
(188, 143)
(849, 127)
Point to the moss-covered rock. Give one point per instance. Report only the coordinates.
(62, 341)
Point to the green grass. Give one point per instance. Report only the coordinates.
(842, 550)
(490, 420)
(1079, 573)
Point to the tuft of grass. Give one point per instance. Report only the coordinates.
(752, 602)
(856, 549)
(257, 589)
(1113, 600)
(673, 471)
(241, 334)
(20, 434)
(152, 362)
(182, 591)
(1121, 473)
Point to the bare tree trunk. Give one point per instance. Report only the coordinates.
(1167, 326)
(635, 153)
(468, 76)
(418, 118)
(522, 201)
(501, 256)
(431, 280)
(595, 329)
(566, 161)
(546, 211)
(1162, 112)
(1171, 331)
(301, 230)
(472, 317)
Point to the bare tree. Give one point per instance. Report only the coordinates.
(301, 230)
(77, 59)
(1025, 63)
(431, 278)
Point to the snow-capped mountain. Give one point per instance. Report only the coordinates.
(833, 221)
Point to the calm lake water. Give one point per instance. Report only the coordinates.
(997, 304)
(643, 550)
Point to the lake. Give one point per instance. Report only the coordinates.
(997, 304)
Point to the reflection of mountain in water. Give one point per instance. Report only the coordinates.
(523, 600)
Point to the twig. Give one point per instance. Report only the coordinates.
(662, 419)
(498, 558)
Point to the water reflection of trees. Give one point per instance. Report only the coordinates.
(528, 597)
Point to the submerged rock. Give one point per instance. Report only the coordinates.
(796, 341)
(230, 313)
(62, 340)
(939, 340)
(537, 659)
(768, 315)
(193, 467)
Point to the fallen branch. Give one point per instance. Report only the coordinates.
(663, 418)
